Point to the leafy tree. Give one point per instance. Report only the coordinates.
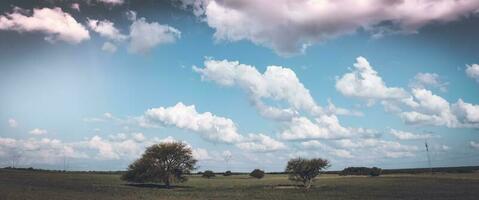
(162, 163)
(257, 173)
(228, 173)
(375, 171)
(305, 170)
(208, 174)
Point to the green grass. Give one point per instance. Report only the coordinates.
(55, 185)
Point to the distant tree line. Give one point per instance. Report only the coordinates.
(365, 171)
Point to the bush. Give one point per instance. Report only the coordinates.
(208, 174)
(257, 173)
(375, 171)
(228, 173)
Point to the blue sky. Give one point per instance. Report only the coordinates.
(93, 83)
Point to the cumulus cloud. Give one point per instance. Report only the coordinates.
(144, 36)
(425, 80)
(38, 131)
(404, 135)
(473, 71)
(365, 83)
(201, 154)
(431, 109)
(325, 127)
(389, 149)
(109, 47)
(474, 145)
(466, 112)
(260, 143)
(316, 145)
(420, 106)
(12, 123)
(209, 126)
(75, 6)
(119, 146)
(290, 26)
(44, 150)
(53, 22)
(112, 2)
(281, 85)
(106, 29)
(276, 83)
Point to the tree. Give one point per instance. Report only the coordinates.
(162, 163)
(228, 173)
(375, 171)
(305, 170)
(257, 173)
(208, 174)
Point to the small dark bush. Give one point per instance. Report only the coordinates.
(228, 173)
(375, 171)
(257, 173)
(208, 174)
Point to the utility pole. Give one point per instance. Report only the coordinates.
(428, 157)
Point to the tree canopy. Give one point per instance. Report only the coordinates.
(162, 163)
(305, 170)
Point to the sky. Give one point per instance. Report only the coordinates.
(87, 85)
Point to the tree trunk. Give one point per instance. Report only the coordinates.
(308, 184)
(167, 182)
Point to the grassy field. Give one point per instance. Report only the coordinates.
(55, 185)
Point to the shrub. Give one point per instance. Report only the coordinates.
(257, 173)
(208, 174)
(305, 170)
(228, 173)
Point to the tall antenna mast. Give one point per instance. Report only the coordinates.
(428, 157)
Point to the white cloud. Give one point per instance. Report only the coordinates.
(404, 135)
(419, 107)
(12, 123)
(106, 29)
(112, 2)
(139, 137)
(260, 143)
(431, 109)
(144, 36)
(75, 6)
(289, 27)
(365, 83)
(209, 126)
(109, 47)
(276, 83)
(373, 147)
(468, 113)
(474, 145)
(318, 146)
(324, 127)
(38, 131)
(104, 148)
(33, 150)
(425, 80)
(120, 146)
(55, 23)
(201, 154)
(473, 71)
